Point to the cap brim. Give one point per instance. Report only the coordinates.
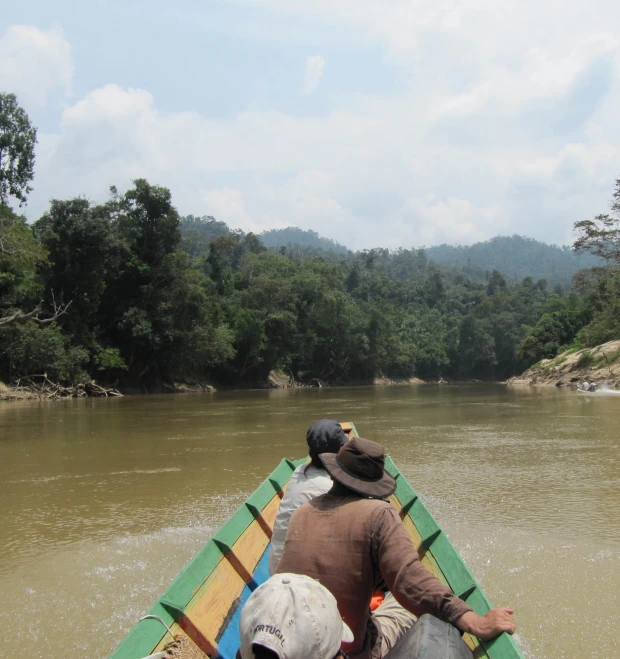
(379, 489)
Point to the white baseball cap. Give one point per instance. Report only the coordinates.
(295, 617)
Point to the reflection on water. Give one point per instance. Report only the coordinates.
(104, 501)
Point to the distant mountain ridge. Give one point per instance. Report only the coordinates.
(292, 236)
(514, 256)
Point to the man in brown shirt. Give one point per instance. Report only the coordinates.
(352, 542)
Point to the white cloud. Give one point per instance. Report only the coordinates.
(108, 137)
(34, 62)
(367, 178)
(509, 125)
(466, 30)
(229, 203)
(451, 220)
(313, 72)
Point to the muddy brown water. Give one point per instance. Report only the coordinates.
(104, 501)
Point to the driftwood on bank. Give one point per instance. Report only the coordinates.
(44, 388)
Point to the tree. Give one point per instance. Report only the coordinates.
(600, 286)
(20, 255)
(17, 139)
(550, 332)
(476, 345)
(148, 221)
(83, 253)
(601, 236)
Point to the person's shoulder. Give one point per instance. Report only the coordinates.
(309, 475)
(371, 507)
(380, 511)
(299, 471)
(314, 472)
(377, 504)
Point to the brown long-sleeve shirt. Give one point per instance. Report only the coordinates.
(352, 545)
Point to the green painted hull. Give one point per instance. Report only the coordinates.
(205, 599)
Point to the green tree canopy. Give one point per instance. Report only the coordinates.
(17, 139)
(601, 236)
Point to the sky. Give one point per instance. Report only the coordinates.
(393, 123)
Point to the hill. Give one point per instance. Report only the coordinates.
(292, 237)
(516, 257)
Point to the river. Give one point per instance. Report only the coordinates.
(104, 501)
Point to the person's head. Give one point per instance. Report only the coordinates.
(360, 466)
(292, 616)
(324, 436)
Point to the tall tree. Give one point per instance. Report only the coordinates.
(17, 139)
(601, 286)
(20, 254)
(601, 236)
(83, 254)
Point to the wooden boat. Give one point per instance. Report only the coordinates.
(205, 600)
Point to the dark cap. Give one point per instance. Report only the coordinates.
(325, 436)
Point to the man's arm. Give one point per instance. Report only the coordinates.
(419, 591)
(488, 626)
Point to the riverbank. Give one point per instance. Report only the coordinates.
(275, 380)
(601, 364)
(12, 393)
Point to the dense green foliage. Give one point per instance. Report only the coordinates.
(152, 303)
(155, 297)
(140, 308)
(295, 238)
(600, 287)
(17, 140)
(19, 255)
(129, 291)
(516, 257)
(592, 316)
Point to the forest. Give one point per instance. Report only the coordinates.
(130, 293)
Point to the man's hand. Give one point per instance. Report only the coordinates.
(492, 624)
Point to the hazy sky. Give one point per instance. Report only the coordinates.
(373, 122)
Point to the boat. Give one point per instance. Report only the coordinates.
(599, 391)
(201, 608)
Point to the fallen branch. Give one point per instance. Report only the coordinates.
(44, 388)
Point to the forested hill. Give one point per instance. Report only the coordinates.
(514, 256)
(292, 236)
(128, 292)
(141, 296)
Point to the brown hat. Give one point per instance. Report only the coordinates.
(360, 466)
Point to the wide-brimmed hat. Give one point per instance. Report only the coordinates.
(294, 616)
(360, 466)
(325, 436)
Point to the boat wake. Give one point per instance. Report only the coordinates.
(603, 390)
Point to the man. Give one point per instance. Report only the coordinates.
(351, 541)
(307, 481)
(291, 616)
